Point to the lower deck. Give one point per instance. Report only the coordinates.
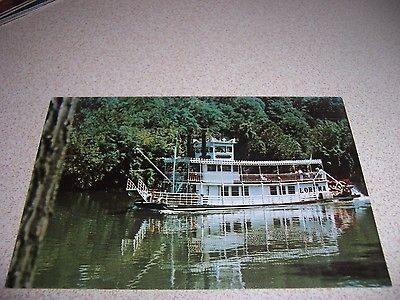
(232, 194)
(244, 195)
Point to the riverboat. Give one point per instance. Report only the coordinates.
(214, 179)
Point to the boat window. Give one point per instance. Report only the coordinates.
(223, 155)
(226, 168)
(220, 149)
(195, 168)
(246, 191)
(235, 191)
(229, 149)
(248, 224)
(235, 168)
(285, 169)
(273, 189)
(211, 168)
(227, 227)
(283, 190)
(226, 191)
(237, 227)
(269, 170)
(277, 222)
(291, 189)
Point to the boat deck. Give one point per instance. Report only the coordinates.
(194, 177)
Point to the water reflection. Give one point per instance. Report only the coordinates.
(222, 244)
(272, 232)
(91, 244)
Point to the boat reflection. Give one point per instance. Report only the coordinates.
(222, 244)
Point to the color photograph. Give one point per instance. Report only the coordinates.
(188, 193)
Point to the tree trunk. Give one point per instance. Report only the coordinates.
(203, 143)
(189, 143)
(42, 191)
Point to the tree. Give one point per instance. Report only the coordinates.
(274, 144)
(291, 120)
(42, 191)
(332, 142)
(108, 130)
(200, 116)
(323, 108)
(244, 115)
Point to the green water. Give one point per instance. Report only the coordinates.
(95, 241)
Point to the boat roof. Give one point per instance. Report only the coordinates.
(298, 162)
(217, 141)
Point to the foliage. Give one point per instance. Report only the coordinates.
(332, 142)
(107, 131)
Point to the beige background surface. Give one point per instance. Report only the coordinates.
(127, 48)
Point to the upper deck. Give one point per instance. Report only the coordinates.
(215, 149)
(235, 172)
(220, 167)
(252, 163)
(255, 163)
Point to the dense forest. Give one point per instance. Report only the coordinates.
(106, 132)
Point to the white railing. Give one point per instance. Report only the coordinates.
(304, 162)
(192, 199)
(285, 177)
(195, 177)
(130, 185)
(186, 199)
(260, 199)
(190, 176)
(141, 188)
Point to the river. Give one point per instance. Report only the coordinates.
(95, 240)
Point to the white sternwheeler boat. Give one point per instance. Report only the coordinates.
(213, 179)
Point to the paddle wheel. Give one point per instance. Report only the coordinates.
(340, 188)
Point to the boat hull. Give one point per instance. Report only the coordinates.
(157, 206)
(151, 206)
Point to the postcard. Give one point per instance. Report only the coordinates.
(188, 193)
